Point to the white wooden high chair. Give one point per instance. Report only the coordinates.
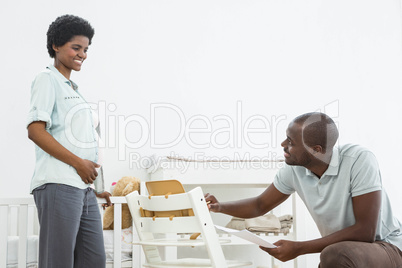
(167, 215)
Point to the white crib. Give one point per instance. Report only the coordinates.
(19, 229)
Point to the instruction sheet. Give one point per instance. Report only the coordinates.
(247, 235)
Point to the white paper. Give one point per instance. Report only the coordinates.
(247, 235)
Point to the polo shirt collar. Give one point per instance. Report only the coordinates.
(62, 77)
(333, 167)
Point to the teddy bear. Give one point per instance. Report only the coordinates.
(123, 187)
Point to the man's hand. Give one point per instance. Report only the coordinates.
(86, 170)
(213, 204)
(105, 195)
(286, 250)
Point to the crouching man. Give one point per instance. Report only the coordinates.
(342, 189)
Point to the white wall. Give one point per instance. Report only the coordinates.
(265, 60)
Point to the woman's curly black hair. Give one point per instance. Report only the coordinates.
(64, 28)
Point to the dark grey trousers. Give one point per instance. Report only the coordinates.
(70, 227)
(353, 254)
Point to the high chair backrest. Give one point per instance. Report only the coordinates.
(201, 222)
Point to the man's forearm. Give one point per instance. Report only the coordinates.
(245, 208)
(256, 206)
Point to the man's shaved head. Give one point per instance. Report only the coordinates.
(318, 129)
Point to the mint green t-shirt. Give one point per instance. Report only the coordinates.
(57, 101)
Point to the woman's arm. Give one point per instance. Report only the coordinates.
(85, 168)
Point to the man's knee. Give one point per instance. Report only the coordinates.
(337, 255)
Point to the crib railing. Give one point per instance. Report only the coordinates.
(24, 211)
(136, 250)
(18, 217)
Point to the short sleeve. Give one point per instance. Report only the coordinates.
(284, 180)
(42, 100)
(365, 175)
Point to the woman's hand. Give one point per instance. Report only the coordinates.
(106, 195)
(86, 170)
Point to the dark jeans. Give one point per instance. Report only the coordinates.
(70, 227)
(361, 255)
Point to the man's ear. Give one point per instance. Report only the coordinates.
(56, 49)
(317, 149)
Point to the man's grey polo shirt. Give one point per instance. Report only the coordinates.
(353, 171)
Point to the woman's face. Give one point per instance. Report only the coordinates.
(71, 55)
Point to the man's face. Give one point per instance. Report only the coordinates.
(295, 151)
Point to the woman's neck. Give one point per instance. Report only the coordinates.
(62, 69)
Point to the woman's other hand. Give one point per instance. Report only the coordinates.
(106, 195)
